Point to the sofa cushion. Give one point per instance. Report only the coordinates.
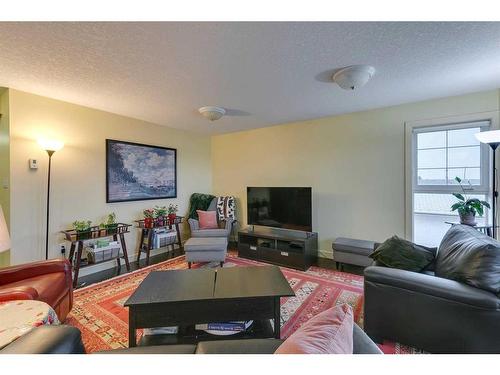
(206, 244)
(405, 255)
(471, 257)
(330, 332)
(207, 219)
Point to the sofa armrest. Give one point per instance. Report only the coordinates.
(193, 224)
(61, 339)
(18, 293)
(362, 344)
(25, 271)
(431, 285)
(229, 225)
(248, 346)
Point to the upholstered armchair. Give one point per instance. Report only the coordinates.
(194, 225)
(222, 232)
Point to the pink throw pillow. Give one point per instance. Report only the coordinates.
(207, 219)
(329, 332)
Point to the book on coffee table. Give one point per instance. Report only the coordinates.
(228, 327)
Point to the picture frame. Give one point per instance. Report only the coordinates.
(136, 172)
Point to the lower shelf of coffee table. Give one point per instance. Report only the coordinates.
(188, 335)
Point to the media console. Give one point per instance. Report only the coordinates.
(292, 249)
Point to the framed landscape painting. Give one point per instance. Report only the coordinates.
(137, 172)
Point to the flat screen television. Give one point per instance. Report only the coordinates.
(280, 207)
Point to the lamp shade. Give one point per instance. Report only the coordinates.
(4, 233)
(50, 144)
(490, 137)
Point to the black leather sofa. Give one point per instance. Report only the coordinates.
(435, 314)
(67, 340)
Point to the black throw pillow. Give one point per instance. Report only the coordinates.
(405, 255)
(471, 257)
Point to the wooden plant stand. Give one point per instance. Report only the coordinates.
(78, 238)
(147, 233)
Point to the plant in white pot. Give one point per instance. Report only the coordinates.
(468, 207)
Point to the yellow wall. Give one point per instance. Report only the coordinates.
(4, 165)
(78, 170)
(354, 163)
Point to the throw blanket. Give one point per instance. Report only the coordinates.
(225, 208)
(199, 202)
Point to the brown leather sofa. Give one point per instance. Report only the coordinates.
(49, 281)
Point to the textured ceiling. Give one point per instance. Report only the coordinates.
(262, 73)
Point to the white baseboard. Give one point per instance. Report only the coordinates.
(112, 263)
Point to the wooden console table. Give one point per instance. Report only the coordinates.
(78, 238)
(147, 233)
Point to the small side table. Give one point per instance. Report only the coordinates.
(19, 317)
(147, 233)
(78, 238)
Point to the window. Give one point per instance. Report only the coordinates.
(439, 154)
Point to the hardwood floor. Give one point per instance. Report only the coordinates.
(115, 271)
(112, 272)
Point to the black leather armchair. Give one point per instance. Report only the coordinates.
(434, 314)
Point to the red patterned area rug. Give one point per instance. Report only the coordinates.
(99, 313)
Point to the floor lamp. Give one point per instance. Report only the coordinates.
(51, 146)
(492, 138)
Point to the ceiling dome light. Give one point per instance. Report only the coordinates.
(353, 77)
(212, 113)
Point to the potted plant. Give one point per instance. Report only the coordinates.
(172, 212)
(82, 229)
(468, 207)
(148, 217)
(160, 212)
(110, 225)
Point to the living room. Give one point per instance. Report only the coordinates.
(248, 188)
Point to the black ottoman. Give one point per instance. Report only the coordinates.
(352, 251)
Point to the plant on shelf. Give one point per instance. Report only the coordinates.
(110, 224)
(172, 212)
(149, 215)
(468, 207)
(82, 228)
(159, 213)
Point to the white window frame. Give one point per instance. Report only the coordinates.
(483, 188)
(455, 122)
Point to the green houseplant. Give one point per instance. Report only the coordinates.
(148, 217)
(110, 224)
(468, 207)
(172, 212)
(82, 228)
(159, 213)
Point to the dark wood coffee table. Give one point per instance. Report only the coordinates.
(189, 297)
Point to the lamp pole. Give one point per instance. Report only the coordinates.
(494, 147)
(492, 138)
(50, 153)
(50, 146)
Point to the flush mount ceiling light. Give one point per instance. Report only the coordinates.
(212, 113)
(353, 77)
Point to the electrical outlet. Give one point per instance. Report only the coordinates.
(62, 247)
(33, 163)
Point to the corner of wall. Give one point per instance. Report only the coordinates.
(5, 165)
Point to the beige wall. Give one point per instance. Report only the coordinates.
(4, 165)
(354, 163)
(78, 170)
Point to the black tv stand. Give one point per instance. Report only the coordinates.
(294, 249)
